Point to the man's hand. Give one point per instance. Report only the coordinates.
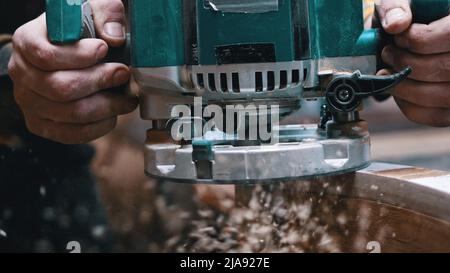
(61, 89)
(424, 97)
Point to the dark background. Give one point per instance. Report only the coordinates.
(48, 196)
(14, 13)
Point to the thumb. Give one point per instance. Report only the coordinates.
(109, 20)
(395, 15)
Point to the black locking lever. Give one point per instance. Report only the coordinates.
(346, 92)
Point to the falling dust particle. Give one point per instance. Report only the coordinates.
(281, 226)
(43, 191)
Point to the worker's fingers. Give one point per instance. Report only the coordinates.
(64, 86)
(109, 20)
(395, 15)
(438, 117)
(385, 72)
(67, 133)
(100, 106)
(433, 95)
(427, 68)
(32, 43)
(426, 39)
(421, 102)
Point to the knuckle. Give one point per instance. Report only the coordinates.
(109, 10)
(17, 37)
(418, 38)
(103, 78)
(443, 64)
(69, 87)
(114, 7)
(62, 89)
(45, 56)
(12, 68)
(81, 111)
(117, 6)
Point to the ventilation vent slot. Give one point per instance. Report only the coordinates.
(212, 82)
(236, 85)
(259, 82)
(295, 77)
(270, 81)
(246, 79)
(283, 79)
(200, 81)
(305, 73)
(223, 82)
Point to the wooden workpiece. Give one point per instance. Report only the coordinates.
(398, 208)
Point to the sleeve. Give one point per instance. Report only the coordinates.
(11, 121)
(13, 14)
(5, 54)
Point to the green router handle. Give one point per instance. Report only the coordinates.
(427, 11)
(66, 18)
(69, 21)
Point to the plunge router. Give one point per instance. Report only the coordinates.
(257, 61)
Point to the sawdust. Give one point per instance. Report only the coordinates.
(267, 223)
(151, 216)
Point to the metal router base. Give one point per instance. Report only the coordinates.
(315, 155)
